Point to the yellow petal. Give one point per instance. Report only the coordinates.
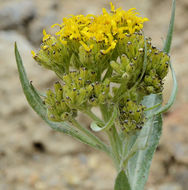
(46, 36)
(112, 7)
(63, 41)
(88, 49)
(113, 45)
(56, 25)
(33, 53)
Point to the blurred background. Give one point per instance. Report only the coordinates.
(32, 156)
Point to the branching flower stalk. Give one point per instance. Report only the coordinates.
(106, 61)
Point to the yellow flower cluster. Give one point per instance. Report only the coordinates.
(91, 53)
(107, 28)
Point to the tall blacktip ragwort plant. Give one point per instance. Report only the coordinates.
(105, 61)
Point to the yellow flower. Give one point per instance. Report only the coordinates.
(112, 7)
(113, 45)
(106, 28)
(33, 53)
(46, 36)
(88, 49)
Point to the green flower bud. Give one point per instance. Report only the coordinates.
(80, 88)
(132, 45)
(128, 67)
(74, 61)
(131, 116)
(100, 94)
(116, 67)
(65, 116)
(93, 58)
(156, 70)
(56, 105)
(53, 55)
(85, 57)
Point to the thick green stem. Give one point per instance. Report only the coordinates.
(113, 136)
(125, 145)
(114, 151)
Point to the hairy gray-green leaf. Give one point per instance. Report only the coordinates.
(138, 165)
(168, 40)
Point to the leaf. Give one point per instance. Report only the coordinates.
(96, 128)
(36, 103)
(139, 164)
(166, 49)
(122, 182)
(168, 40)
(153, 107)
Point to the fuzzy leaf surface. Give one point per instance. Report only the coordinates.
(146, 142)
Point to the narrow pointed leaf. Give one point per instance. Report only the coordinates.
(168, 40)
(139, 164)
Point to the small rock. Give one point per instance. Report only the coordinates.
(16, 13)
(40, 186)
(176, 126)
(180, 173)
(169, 186)
(33, 178)
(157, 171)
(93, 162)
(36, 26)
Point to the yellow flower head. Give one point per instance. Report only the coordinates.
(107, 28)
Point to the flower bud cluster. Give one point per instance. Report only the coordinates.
(53, 54)
(131, 115)
(156, 70)
(78, 91)
(57, 107)
(129, 63)
(129, 66)
(89, 53)
(127, 70)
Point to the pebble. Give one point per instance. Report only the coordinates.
(36, 27)
(170, 186)
(176, 126)
(15, 13)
